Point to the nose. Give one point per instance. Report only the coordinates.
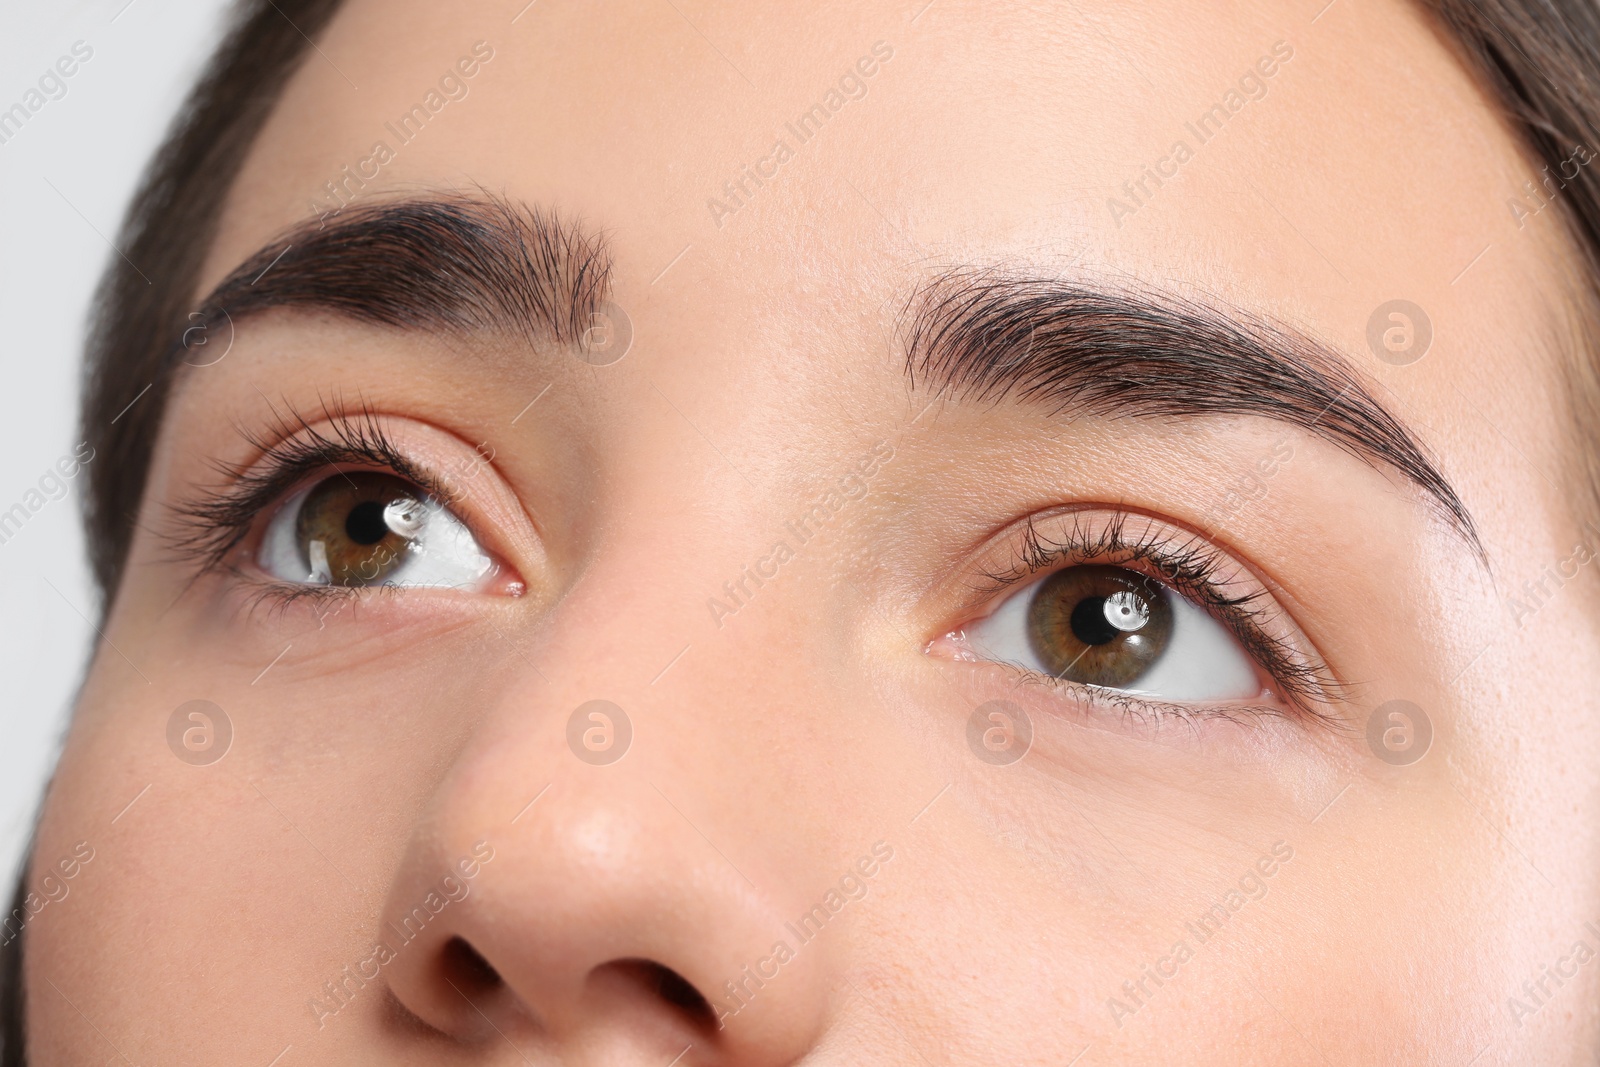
(598, 924)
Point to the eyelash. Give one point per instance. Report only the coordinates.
(220, 519)
(1190, 567)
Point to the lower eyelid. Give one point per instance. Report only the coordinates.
(1141, 716)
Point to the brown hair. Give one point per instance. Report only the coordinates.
(136, 324)
(1540, 59)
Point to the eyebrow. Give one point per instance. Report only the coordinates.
(455, 263)
(447, 263)
(984, 335)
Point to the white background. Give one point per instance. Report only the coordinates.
(91, 145)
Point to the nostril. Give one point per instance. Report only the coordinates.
(466, 969)
(671, 987)
(675, 989)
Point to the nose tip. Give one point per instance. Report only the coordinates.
(603, 920)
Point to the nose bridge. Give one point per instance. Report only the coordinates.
(595, 825)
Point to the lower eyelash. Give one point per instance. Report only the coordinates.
(216, 522)
(1191, 567)
(279, 597)
(1145, 711)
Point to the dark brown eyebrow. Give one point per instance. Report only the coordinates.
(465, 264)
(448, 263)
(985, 335)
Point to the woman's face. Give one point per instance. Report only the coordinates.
(991, 575)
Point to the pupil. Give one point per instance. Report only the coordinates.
(364, 525)
(1089, 623)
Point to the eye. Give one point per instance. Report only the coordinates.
(361, 528)
(1119, 629)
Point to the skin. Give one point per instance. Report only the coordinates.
(376, 745)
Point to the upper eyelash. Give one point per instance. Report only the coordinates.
(221, 517)
(211, 526)
(1190, 566)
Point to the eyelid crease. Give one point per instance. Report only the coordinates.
(1191, 567)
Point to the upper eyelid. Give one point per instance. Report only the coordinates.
(219, 518)
(1306, 677)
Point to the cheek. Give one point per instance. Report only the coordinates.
(347, 741)
(288, 832)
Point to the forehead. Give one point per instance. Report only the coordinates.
(1147, 139)
(783, 169)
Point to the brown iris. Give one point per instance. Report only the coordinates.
(1099, 625)
(355, 528)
